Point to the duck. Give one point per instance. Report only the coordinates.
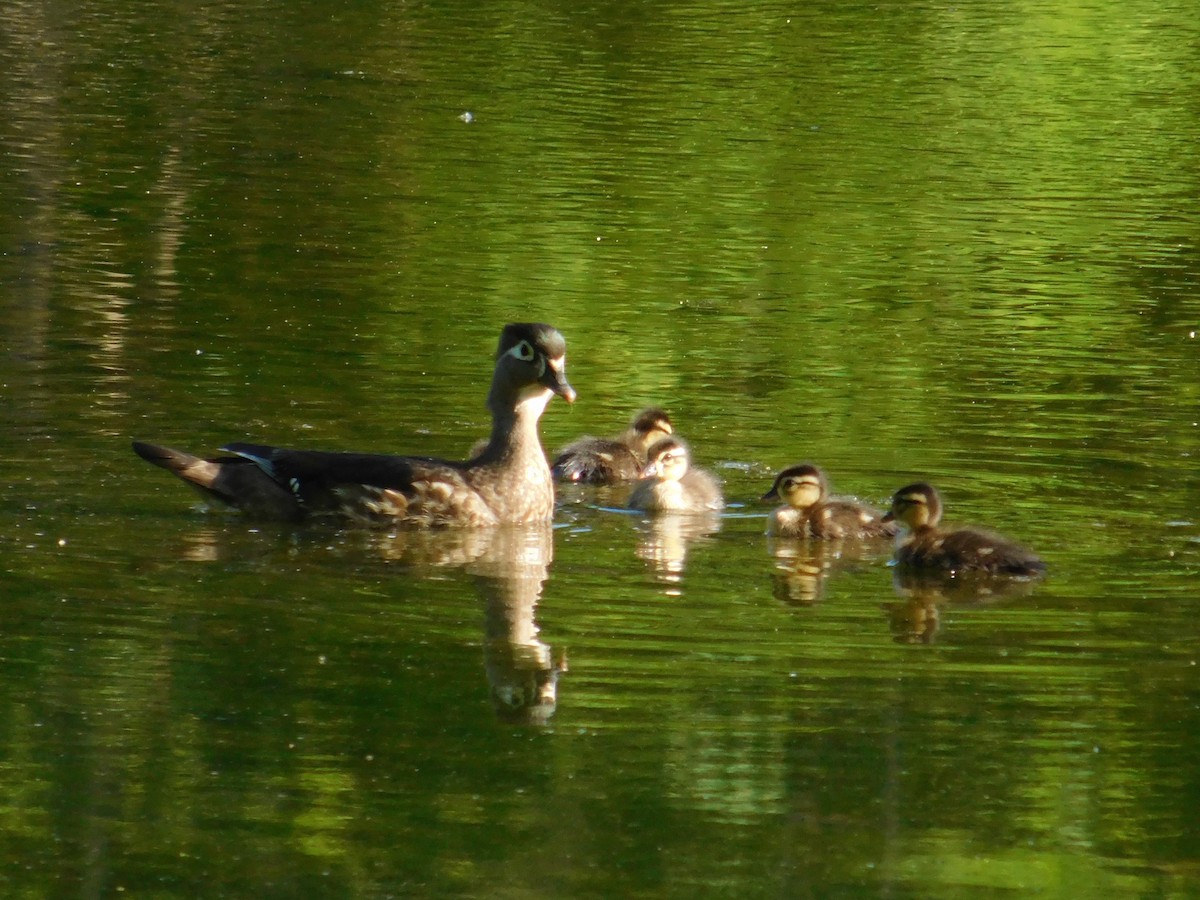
(592, 460)
(507, 482)
(926, 547)
(669, 482)
(809, 512)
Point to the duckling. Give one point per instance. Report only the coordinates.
(669, 483)
(927, 547)
(809, 512)
(591, 460)
(507, 482)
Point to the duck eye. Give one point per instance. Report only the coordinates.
(523, 351)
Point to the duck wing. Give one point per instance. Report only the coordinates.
(372, 488)
(227, 480)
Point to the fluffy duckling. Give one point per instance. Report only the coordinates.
(808, 511)
(927, 547)
(592, 460)
(669, 483)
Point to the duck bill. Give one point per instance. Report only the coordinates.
(772, 494)
(888, 516)
(555, 378)
(650, 471)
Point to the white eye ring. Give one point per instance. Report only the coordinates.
(523, 351)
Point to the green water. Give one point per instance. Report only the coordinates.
(958, 243)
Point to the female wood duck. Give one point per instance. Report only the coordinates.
(507, 482)
(929, 548)
(670, 484)
(809, 512)
(591, 460)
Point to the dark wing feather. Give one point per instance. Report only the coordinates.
(375, 488)
(229, 480)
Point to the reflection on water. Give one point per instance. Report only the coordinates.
(916, 617)
(664, 539)
(508, 566)
(521, 669)
(951, 242)
(802, 566)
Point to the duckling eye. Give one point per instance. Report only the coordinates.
(523, 351)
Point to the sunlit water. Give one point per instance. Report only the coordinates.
(904, 242)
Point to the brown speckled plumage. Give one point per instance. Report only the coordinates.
(927, 547)
(809, 512)
(507, 482)
(592, 460)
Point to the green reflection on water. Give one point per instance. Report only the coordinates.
(903, 241)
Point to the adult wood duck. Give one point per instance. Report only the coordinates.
(669, 483)
(930, 548)
(808, 511)
(507, 482)
(592, 460)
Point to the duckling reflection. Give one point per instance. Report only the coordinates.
(663, 541)
(799, 579)
(916, 617)
(913, 620)
(801, 570)
(804, 566)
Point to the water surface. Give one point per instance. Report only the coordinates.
(938, 242)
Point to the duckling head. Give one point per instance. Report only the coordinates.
(915, 506)
(648, 426)
(667, 460)
(801, 487)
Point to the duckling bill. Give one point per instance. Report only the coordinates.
(507, 482)
(809, 512)
(926, 547)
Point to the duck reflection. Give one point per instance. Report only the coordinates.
(521, 669)
(664, 539)
(916, 617)
(803, 565)
(509, 564)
